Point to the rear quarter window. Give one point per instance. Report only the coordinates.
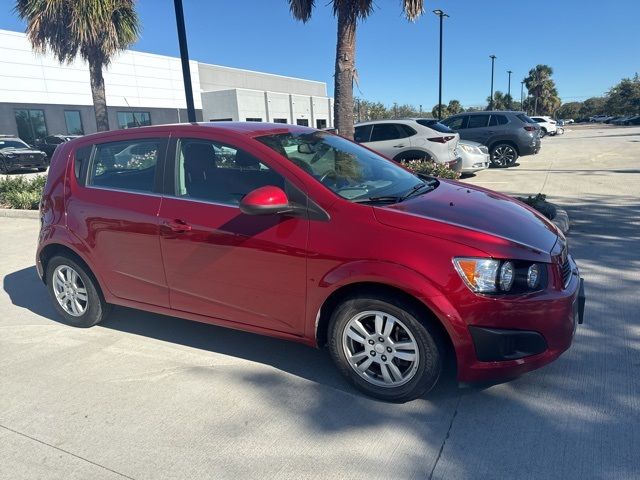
(525, 119)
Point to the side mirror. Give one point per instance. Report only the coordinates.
(266, 200)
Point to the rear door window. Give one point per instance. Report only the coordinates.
(477, 121)
(497, 120)
(387, 131)
(128, 165)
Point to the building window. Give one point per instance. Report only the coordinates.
(279, 120)
(321, 123)
(31, 125)
(253, 119)
(221, 119)
(74, 122)
(133, 119)
(303, 122)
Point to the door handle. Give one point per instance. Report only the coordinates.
(398, 146)
(177, 226)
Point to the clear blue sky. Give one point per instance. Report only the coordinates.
(590, 45)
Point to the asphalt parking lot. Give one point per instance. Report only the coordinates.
(145, 396)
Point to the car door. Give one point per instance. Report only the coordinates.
(478, 129)
(113, 208)
(220, 262)
(389, 139)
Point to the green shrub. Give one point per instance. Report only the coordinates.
(21, 193)
(432, 169)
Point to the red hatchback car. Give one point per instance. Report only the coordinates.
(304, 235)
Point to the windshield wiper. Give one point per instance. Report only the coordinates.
(415, 189)
(383, 199)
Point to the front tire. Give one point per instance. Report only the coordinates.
(503, 155)
(379, 344)
(75, 293)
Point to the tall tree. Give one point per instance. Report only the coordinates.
(569, 110)
(97, 29)
(543, 89)
(624, 98)
(454, 107)
(348, 13)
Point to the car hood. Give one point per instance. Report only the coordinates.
(471, 142)
(470, 210)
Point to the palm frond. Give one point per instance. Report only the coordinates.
(301, 9)
(413, 9)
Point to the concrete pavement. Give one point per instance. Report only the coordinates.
(146, 396)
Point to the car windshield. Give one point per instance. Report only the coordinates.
(347, 169)
(12, 144)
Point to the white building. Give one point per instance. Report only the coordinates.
(40, 97)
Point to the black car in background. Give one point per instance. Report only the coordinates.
(506, 134)
(15, 155)
(50, 143)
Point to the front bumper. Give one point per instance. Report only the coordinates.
(25, 161)
(509, 337)
(475, 162)
(455, 165)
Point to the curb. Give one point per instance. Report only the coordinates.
(16, 213)
(561, 220)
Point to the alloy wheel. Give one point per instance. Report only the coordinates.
(70, 290)
(503, 156)
(380, 349)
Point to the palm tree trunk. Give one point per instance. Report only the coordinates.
(345, 68)
(99, 96)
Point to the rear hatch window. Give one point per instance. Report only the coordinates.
(525, 119)
(434, 125)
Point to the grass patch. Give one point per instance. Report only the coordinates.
(21, 193)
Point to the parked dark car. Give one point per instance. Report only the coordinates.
(303, 235)
(49, 144)
(633, 120)
(16, 155)
(508, 135)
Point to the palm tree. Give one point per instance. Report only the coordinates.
(348, 13)
(543, 89)
(501, 101)
(97, 29)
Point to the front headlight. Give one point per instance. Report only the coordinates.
(469, 148)
(486, 275)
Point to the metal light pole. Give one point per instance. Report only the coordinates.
(440, 14)
(493, 61)
(509, 88)
(522, 94)
(184, 56)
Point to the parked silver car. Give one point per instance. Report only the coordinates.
(475, 156)
(411, 139)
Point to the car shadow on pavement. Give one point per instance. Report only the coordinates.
(27, 291)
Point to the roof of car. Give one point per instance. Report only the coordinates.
(249, 129)
(387, 120)
(481, 112)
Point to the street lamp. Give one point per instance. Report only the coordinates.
(509, 88)
(184, 56)
(440, 14)
(493, 61)
(522, 95)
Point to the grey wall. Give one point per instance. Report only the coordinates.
(215, 77)
(54, 116)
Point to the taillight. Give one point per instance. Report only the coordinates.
(529, 128)
(441, 139)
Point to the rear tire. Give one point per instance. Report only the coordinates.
(543, 132)
(42, 169)
(503, 155)
(379, 344)
(75, 293)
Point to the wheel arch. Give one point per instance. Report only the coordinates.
(507, 142)
(52, 250)
(340, 294)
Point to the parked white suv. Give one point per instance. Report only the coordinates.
(411, 139)
(548, 126)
